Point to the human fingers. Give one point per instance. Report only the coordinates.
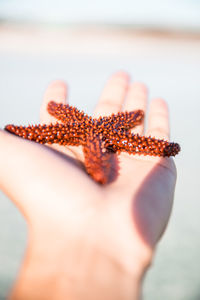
(34, 176)
(158, 121)
(113, 95)
(137, 99)
(56, 91)
(17, 169)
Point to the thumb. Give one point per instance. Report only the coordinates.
(28, 171)
(18, 169)
(35, 176)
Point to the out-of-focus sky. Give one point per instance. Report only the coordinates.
(164, 14)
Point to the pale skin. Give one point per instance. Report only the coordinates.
(88, 241)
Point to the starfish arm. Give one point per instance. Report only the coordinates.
(67, 114)
(136, 144)
(49, 134)
(122, 120)
(97, 159)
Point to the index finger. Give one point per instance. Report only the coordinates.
(56, 91)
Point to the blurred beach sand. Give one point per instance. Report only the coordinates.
(30, 57)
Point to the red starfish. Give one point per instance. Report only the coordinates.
(99, 137)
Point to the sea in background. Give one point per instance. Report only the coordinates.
(182, 15)
(33, 54)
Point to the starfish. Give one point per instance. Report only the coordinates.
(99, 137)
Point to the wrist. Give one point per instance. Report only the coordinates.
(76, 273)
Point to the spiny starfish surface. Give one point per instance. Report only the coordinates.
(99, 137)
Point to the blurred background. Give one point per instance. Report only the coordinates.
(84, 42)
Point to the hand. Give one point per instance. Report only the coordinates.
(88, 241)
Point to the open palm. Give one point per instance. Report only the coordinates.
(117, 224)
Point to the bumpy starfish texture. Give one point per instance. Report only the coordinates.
(99, 137)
